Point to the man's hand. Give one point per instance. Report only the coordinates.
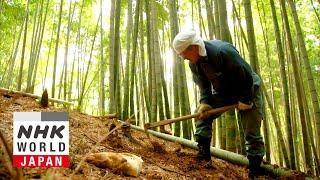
(242, 106)
(202, 109)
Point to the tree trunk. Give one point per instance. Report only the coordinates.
(174, 24)
(185, 104)
(298, 85)
(229, 123)
(239, 24)
(84, 83)
(8, 81)
(252, 47)
(114, 14)
(56, 53)
(23, 47)
(40, 38)
(144, 67)
(284, 85)
(266, 127)
(35, 30)
(277, 124)
(217, 20)
(211, 22)
(127, 90)
(102, 68)
(223, 19)
(133, 77)
(311, 84)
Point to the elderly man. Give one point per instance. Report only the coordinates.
(224, 78)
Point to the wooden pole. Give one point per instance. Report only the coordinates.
(210, 112)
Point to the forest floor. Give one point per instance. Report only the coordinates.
(170, 161)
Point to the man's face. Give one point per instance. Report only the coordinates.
(191, 53)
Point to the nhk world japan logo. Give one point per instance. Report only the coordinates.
(40, 139)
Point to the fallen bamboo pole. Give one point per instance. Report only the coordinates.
(37, 96)
(219, 153)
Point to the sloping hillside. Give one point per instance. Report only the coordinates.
(162, 159)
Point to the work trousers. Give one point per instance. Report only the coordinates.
(250, 121)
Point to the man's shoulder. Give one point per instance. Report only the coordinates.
(213, 47)
(215, 42)
(216, 46)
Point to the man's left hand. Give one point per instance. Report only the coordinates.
(202, 109)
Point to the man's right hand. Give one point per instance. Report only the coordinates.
(202, 109)
(243, 106)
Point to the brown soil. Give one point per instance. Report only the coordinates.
(162, 159)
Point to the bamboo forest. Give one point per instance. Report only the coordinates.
(112, 66)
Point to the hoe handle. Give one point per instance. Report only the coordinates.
(173, 120)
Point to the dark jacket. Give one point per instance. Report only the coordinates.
(225, 72)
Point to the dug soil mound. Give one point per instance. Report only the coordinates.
(162, 159)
